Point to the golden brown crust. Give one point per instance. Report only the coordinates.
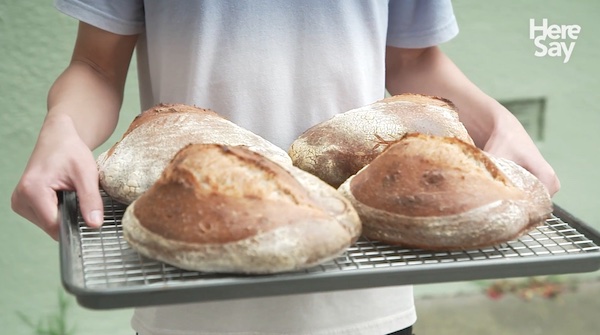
(442, 194)
(227, 209)
(136, 161)
(337, 148)
(206, 211)
(431, 176)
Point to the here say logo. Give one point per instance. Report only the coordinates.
(553, 40)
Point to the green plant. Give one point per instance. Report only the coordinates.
(54, 324)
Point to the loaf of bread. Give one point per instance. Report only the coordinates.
(227, 209)
(336, 149)
(134, 163)
(441, 193)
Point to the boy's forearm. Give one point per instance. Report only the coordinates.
(492, 127)
(431, 72)
(91, 102)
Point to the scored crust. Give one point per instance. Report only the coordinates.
(227, 209)
(337, 148)
(136, 161)
(441, 193)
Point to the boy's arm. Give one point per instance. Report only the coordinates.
(83, 110)
(492, 127)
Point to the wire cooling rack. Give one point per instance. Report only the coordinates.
(100, 268)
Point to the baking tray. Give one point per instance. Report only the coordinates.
(100, 268)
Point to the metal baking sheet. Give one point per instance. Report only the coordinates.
(104, 272)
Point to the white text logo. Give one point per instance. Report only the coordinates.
(553, 40)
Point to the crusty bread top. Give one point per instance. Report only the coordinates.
(136, 161)
(337, 148)
(422, 99)
(431, 176)
(389, 119)
(155, 115)
(221, 194)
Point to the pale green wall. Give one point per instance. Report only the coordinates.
(493, 49)
(35, 45)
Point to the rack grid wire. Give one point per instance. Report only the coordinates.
(101, 260)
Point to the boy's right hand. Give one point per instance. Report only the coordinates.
(60, 161)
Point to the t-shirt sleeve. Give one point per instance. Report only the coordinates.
(124, 17)
(420, 23)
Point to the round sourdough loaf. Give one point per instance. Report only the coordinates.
(227, 209)
(337, 148)
(441, 193)
(136, 161)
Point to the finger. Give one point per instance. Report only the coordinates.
(555, 186)
(88, 194)
(552, 183)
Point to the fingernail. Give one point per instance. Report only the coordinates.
(96, 218)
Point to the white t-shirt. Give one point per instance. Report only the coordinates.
(275, 68)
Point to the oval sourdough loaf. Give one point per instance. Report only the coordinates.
(227, 209)
(337, 148)
(136, 161)
(436, 192)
